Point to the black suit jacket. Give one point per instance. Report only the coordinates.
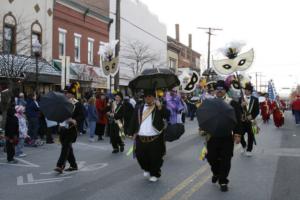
(253, 108)
(158, 117)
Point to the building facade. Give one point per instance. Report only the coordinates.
(78, 28)
(20, 28)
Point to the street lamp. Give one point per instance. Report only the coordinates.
(36, 49)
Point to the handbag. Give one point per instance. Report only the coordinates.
(173, 132)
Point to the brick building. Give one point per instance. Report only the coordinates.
(187, 57)
(78, 28)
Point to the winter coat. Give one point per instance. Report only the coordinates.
(92, 113)
(12, 124)
(32, 109)
(102, 109)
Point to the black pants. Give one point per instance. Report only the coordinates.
(66, 153)
(100, 128)
(220, 152)
(247, 128)
(10, 150)
(115, 139)
(150, 155)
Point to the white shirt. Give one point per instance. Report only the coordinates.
(146, 128)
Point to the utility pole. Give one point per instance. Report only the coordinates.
(118, 36)
(209, 35)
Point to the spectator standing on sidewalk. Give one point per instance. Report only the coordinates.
(21, 100)
(296, 109)
(11, 133)
(23, 130)
(92, 118)
(33, 114)
(101, 106)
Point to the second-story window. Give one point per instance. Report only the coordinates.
(90, 51)
(62, 42)
(9, 34)
(77, 38)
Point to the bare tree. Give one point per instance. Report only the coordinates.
(137, 55)
(15, 67)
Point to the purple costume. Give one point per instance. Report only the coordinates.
(175, 106)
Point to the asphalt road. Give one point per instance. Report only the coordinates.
(272, 172)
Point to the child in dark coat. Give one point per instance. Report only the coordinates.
(11, 134)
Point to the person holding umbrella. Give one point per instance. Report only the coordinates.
(220, 117)
(147, 125)
(68, 132)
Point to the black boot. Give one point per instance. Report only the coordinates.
(115, 151)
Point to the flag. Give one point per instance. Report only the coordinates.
(271, 90)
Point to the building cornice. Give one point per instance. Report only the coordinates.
(84, 10)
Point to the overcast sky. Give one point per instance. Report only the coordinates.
(271, 27)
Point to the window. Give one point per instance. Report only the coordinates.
(90, 50)
(9, 33)
(36, 35)
(77, 38)
(62, 42)
(172, 63)
(8, 42)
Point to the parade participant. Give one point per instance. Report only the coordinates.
(175, 106)
(115, 124)
(250, 107)
(147, 125)
(68, 132)
(220, 149)
(296, 109)
(101, 105)
(265, 108)
(128, 109)
(278, 107)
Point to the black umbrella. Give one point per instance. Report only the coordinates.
(56, 107)
(173, 132)
(156, 78)
(216, 117)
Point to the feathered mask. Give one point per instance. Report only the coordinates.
(235, 62)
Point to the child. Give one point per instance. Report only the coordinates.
(11, 134)
(23, 130)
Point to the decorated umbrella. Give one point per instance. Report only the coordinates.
(153, 79)
(56, 107)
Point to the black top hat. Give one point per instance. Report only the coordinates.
(119, 94)
(149, 93)
(248, 86)
(211, 85)
(221, 85)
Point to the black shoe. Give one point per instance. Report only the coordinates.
(214, 179)
(71, 169)
(115, 151)
(122, 148)
(224, 187)
(59, 170)
(100, 138)
(50, 142)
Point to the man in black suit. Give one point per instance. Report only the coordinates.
(147, 125)
(250, 107)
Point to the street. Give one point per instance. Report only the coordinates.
(270, 174)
